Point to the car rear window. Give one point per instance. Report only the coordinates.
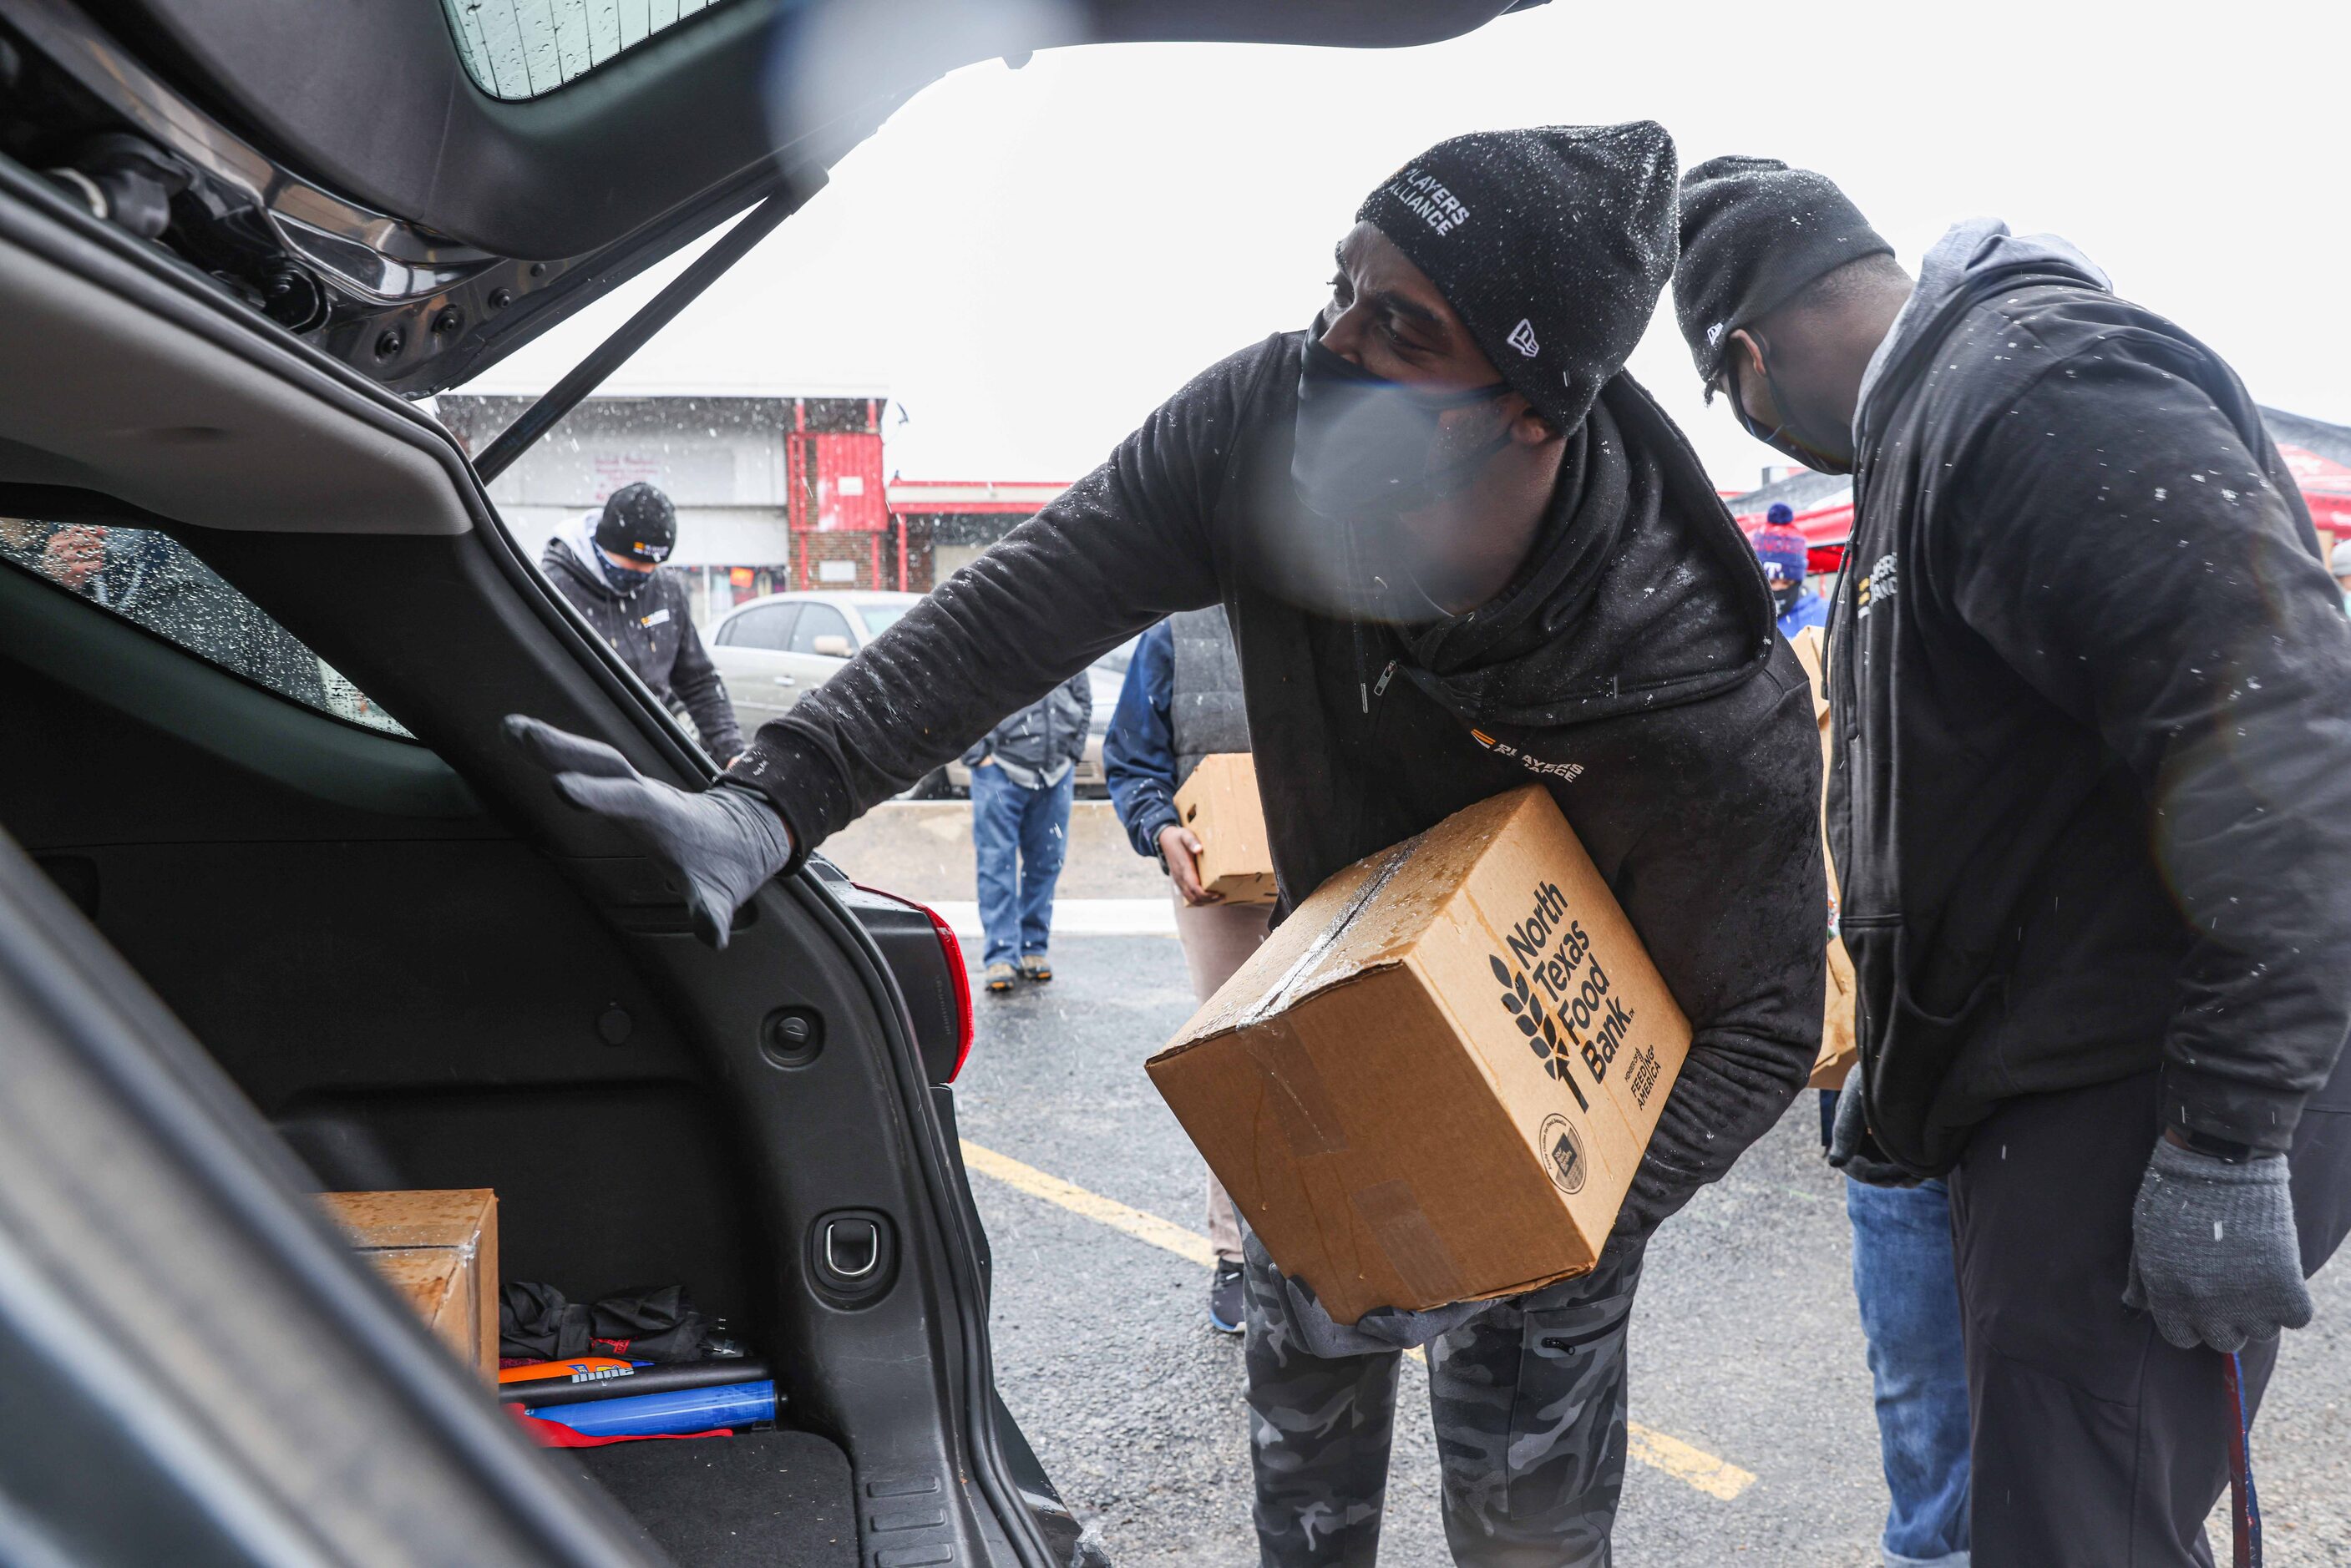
(521, 49)
(761, 626)
(152, 580)
(880, 617)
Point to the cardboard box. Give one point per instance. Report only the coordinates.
(439, 1249)
(1840, 1034)
(1432, 1082)
(1219, 803)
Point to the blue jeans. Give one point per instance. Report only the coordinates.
(1908, 1290)
(1016, 904)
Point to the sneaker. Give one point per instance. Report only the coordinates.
(1000, 977)
(1036, 965)
(1228, 1309)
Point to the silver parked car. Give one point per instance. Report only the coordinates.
(771, 652)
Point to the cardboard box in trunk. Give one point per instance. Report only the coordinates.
(1219, 803)
(440, 1251)
(1433, 1082)
(1840, 1034)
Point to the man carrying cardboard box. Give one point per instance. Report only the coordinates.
(1181, 705)
(2091, 810)
(1461, 552)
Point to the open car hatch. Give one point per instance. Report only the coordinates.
(419, 189)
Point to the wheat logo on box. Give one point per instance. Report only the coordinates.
(1562, 1151)
(1556, 952)
(1541, 1030)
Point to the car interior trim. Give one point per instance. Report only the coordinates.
(180, 1134)
(133, 404)
(133, 670)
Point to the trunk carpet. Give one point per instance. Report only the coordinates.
(757, 1498)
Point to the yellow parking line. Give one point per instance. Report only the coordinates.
(1714, 1477)
(1108, 1211)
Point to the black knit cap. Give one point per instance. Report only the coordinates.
(639, 523)
(1754, 233)
(1551, 244)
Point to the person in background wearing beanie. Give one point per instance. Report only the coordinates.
(1182, 702)
(1785, 556)
(1460, 552)
(2091, 810)
(608, 564)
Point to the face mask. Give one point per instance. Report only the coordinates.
(625, 583)
(1365, 444)
(1786, 439)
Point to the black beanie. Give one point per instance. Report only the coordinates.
(638, 523)
(1754, 233)
(1551, 244)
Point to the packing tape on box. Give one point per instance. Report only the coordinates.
(1277, 996)
(1416, 1252)
(1302, 1103)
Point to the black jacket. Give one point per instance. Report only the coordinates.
(653, 632)
(2091, 805)
(1631, 665)
(1043, 735)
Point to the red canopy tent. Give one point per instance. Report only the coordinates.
(2317, 453)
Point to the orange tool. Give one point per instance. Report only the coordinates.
(580, 1369)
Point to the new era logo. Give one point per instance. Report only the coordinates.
(1522, 338)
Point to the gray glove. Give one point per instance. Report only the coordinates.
(2214, 1257)
(1853, 1150)
(717, 844)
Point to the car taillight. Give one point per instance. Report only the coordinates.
(960, 978)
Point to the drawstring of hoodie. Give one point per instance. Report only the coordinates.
(1356, 587)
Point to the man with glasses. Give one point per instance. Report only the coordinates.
(2091, 810)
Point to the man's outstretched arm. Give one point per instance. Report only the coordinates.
(1124, 546)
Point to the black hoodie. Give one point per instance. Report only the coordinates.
(2092, 799)
(1631, 665)
(652, 630)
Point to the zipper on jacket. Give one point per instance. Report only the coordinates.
(1379, 695)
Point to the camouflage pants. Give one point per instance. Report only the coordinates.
(1528, 1402)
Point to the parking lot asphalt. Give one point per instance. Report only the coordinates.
(1745, 1348)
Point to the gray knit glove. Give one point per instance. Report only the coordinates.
(2214, 1257)
(1853, 1150)
(717, 844)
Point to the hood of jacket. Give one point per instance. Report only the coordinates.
(1974, 257)
(571, 554)
(1640, 592)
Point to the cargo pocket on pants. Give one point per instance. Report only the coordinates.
(1553, 1443)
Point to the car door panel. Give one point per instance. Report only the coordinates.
(760, 680)
(818, 621)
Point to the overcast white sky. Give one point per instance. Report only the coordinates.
(1029, 261)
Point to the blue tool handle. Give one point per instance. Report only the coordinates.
(679, 1410)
